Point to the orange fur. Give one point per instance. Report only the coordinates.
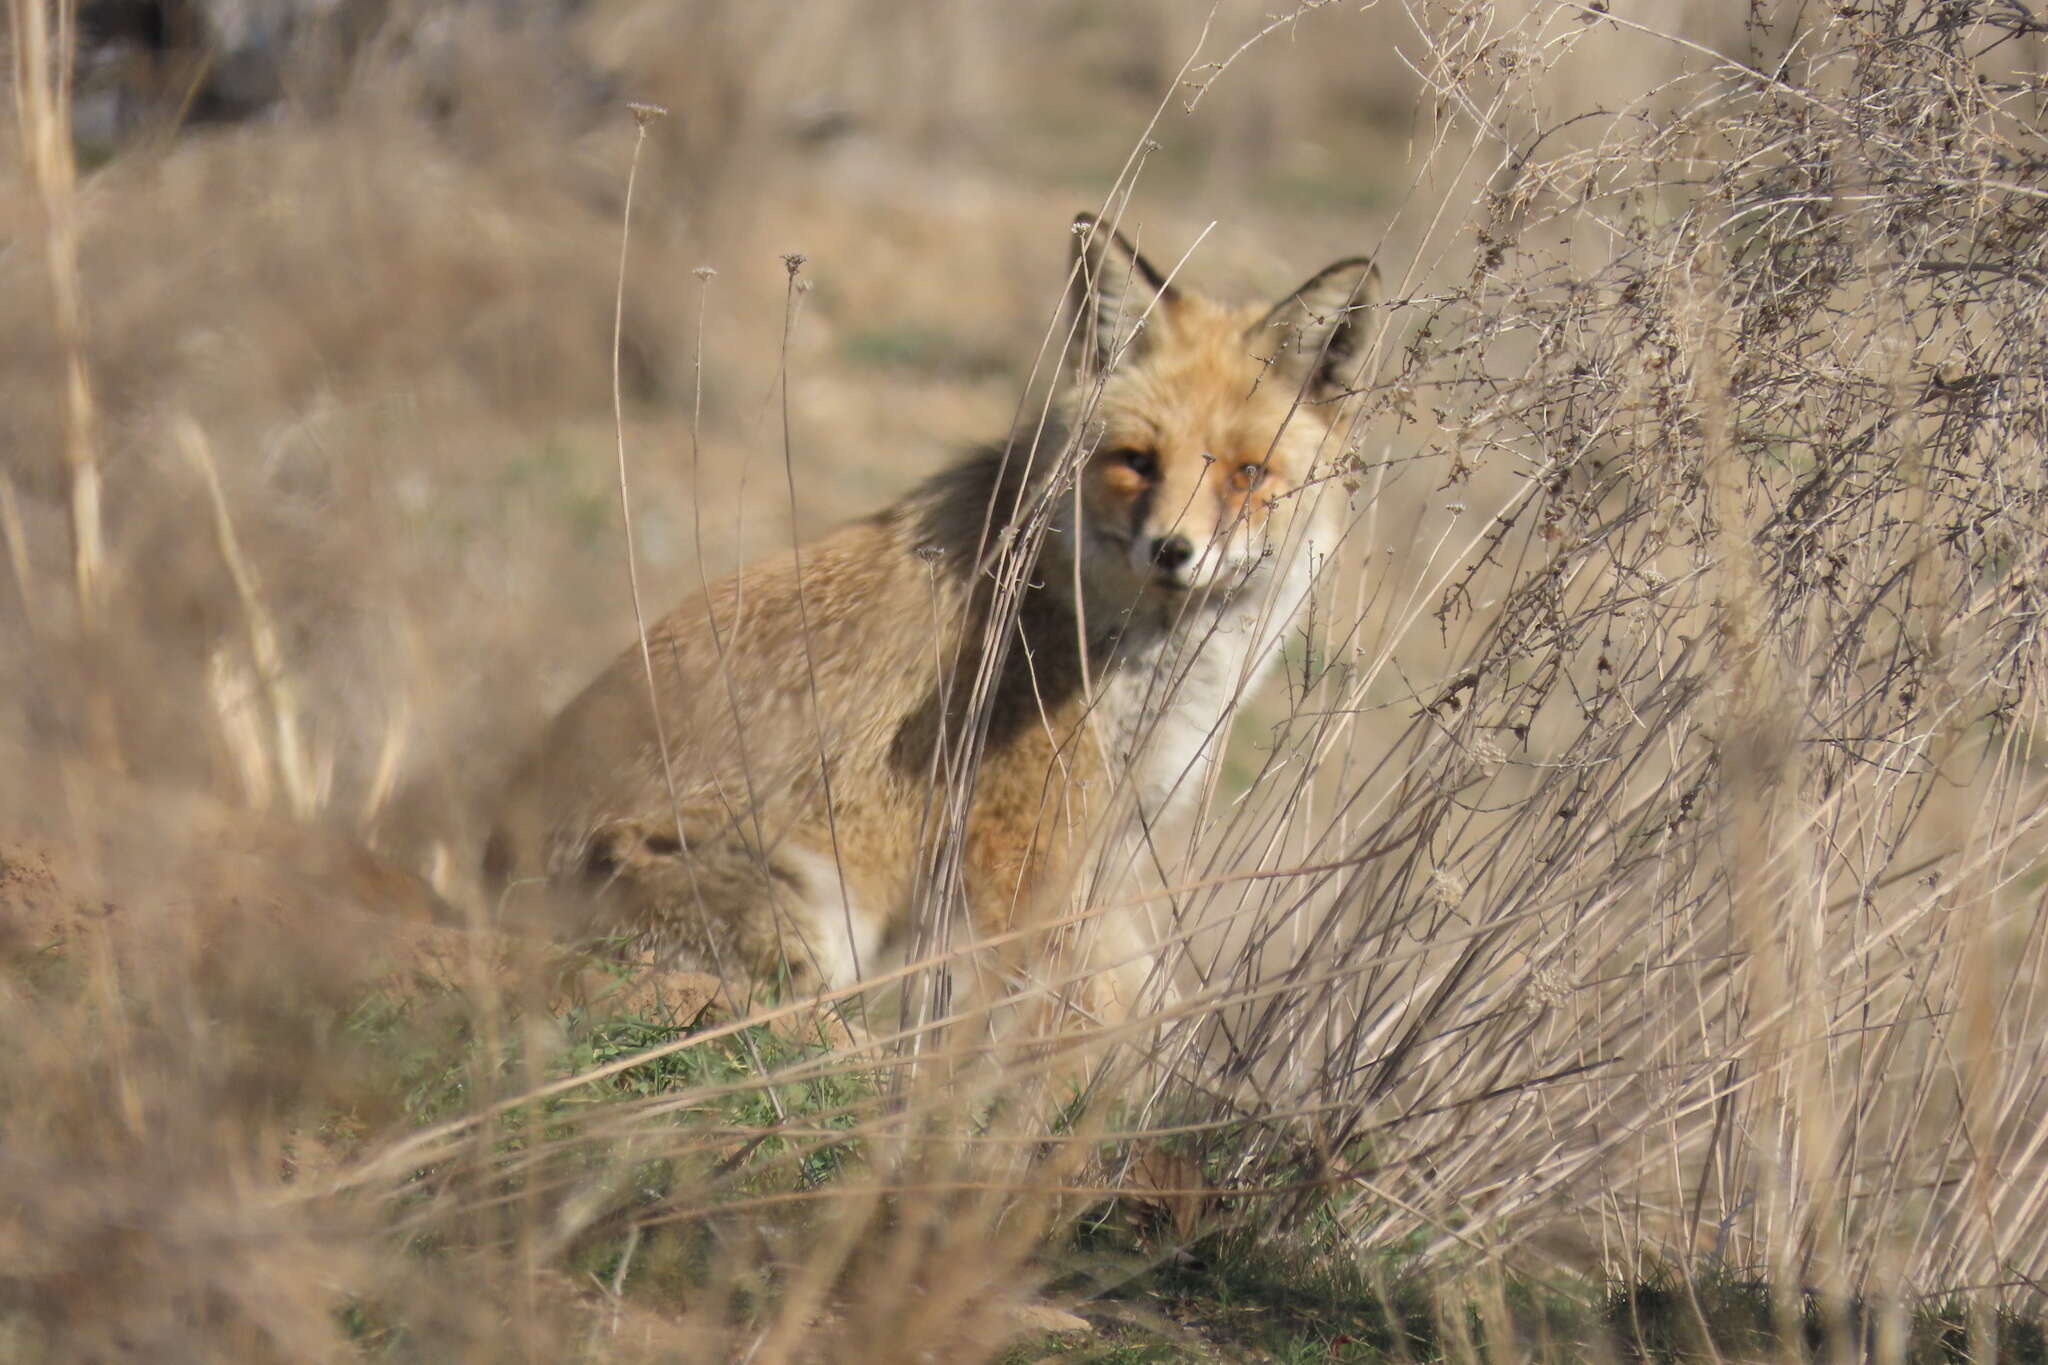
(825, 727)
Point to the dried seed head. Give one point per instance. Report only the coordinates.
(1549, 986)
(644, 113)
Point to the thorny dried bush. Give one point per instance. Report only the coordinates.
(1700, 892)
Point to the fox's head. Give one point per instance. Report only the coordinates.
(1206, 422)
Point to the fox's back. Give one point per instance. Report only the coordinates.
(768, 687)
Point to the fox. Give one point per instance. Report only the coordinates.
(961, 704)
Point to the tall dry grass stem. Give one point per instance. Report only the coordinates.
(643, 115)
(307, 781)
(44, 57)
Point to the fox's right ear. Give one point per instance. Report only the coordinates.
(1116, 289)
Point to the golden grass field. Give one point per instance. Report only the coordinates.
(1635, 882)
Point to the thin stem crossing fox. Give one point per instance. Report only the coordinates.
(963, 701)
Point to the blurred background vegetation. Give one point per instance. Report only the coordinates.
(376, 274)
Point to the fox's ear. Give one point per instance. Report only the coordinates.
(1115, 288)
(1313, 335)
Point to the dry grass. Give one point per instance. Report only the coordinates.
(1638, 874)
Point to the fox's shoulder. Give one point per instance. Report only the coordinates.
(961, 511)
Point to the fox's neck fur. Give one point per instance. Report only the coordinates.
(1145, 678)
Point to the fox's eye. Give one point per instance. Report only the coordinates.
(1248, 477)
(1143, 463)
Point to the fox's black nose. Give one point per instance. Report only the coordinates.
(1172, 553)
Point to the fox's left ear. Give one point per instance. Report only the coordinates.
(1313, 335)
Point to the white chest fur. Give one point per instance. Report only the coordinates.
(1166, 703)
